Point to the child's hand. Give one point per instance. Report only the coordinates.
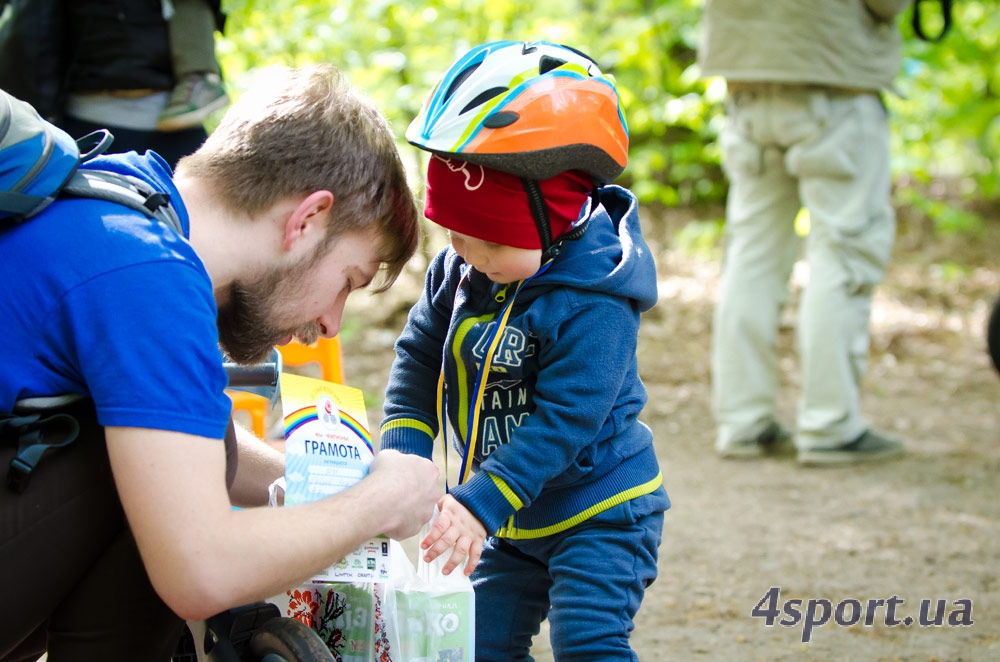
(457, 528)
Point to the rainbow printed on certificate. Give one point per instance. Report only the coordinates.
(328, 446)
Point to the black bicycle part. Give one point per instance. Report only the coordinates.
(249, 634)
(993, 334)
(258, 374)
(288, 640)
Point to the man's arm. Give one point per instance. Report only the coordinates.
(204, 557)
(258, 465)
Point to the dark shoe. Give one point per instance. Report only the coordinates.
(195, 97)
(869, 447)
(773, 440)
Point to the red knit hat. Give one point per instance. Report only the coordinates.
(493, 206)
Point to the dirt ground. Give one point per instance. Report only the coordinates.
(923, 528)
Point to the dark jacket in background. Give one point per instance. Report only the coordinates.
(49, 48)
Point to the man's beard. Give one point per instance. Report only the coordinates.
(249, 319)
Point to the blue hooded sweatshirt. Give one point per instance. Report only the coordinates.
(559, 438)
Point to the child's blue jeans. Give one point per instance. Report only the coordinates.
(588, 580)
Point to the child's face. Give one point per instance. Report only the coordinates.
(501, 264)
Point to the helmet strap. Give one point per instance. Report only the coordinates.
(578, 230)
(581, 228)
(539, 211)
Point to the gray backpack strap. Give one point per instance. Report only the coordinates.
(122, 189)
(38, 425)
(22, 205)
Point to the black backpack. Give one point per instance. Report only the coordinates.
(39, 162)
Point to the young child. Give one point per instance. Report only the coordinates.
(524, 340)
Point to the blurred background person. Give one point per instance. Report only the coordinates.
(93, 64)
(806, 127)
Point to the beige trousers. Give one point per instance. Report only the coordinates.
(786, 147)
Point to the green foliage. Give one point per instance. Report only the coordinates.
(949, 272)
(947, 125)
(947, 219)
(701, 238)
(946, 128)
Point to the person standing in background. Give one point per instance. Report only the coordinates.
(198, 91)
(110, 64)
(806, 127)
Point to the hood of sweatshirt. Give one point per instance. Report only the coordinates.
(611, 257)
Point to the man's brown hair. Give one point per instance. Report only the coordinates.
(307, 130)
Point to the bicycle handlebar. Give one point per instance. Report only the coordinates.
(259, 378)
(259, 374)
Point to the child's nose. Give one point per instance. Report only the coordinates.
(475, 256)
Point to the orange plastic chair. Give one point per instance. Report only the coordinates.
(326, 352)
(256, 407)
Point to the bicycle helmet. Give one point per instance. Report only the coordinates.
(532, 109)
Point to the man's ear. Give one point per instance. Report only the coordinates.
(308, 220)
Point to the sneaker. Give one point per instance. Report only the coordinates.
(195, 97)
(869, 447)
(773, 440)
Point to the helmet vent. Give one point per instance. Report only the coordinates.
(482, 98)
(461, 78)
(547, 63)
(500, 120)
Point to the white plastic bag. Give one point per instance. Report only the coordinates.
(429, 616)
(417, 615)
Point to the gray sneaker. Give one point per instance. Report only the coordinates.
(773, 440)
(869, 447)
(195, 97)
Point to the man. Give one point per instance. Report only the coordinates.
(806, 127)
(297, 199)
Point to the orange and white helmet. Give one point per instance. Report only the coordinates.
(532, 109)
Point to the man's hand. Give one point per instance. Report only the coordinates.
(458, 529)
(411, 486)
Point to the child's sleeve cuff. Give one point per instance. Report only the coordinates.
(407, 435)
(489, 499)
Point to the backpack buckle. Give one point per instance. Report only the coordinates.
(18, 475)
(35, 435)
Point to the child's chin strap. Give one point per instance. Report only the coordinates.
(479, 387)
(552, 246)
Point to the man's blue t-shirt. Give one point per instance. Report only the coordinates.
(104, 301)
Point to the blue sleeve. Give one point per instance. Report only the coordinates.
(146, 343)
(410, 424)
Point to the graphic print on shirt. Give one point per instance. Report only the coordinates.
(508, 397)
